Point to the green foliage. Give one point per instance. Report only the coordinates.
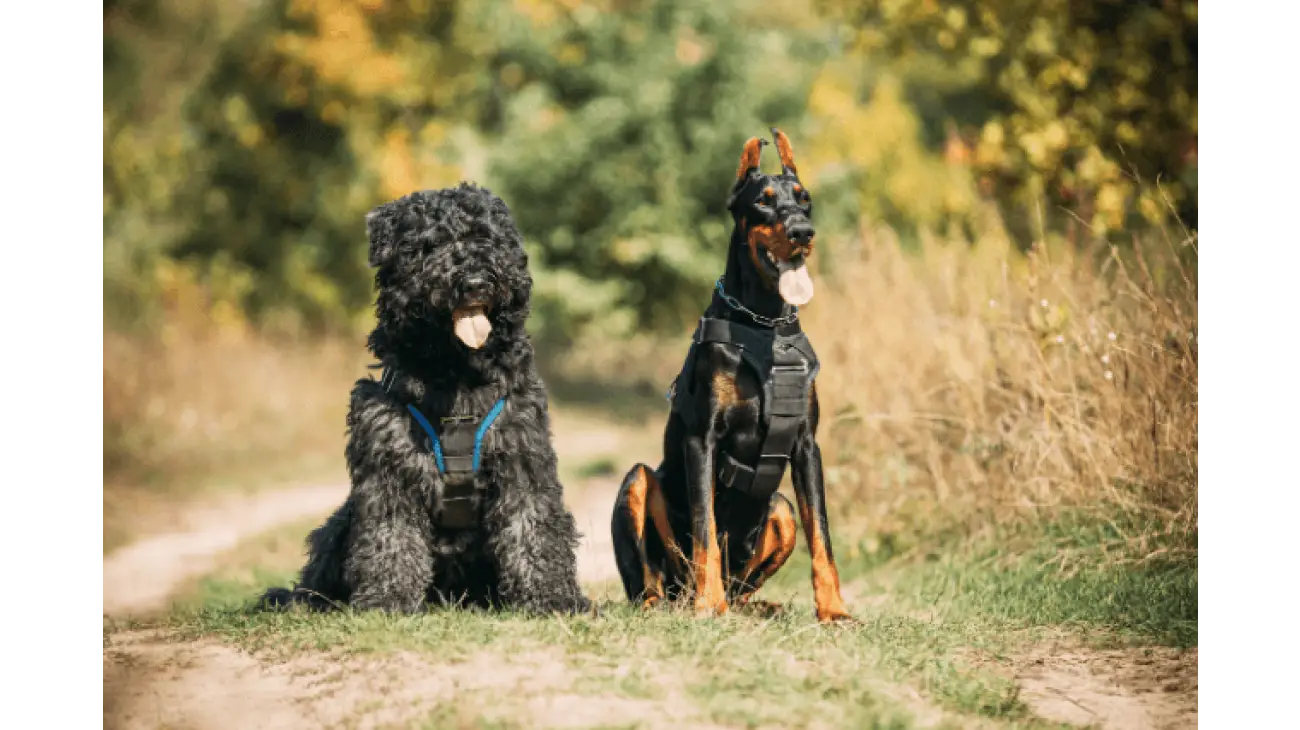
(619, 143)
(244, 142)
(156, 53)
(1086, 105)
(315, 113)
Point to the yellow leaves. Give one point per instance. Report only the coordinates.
(986, 46)
(571, 54)
(547, 12)
(332, 112)
(250, 135)
(1150, 208)
(1054, 136)
(955, 17)
(404, 162)
(880, 143)
(343, 51)
(1035, 148)
(691, 48)
(632, 250)
(1095, 167)
(396, 169)
(1110, 206)
(240, 118)
(296, 95)
(1042, 37)
(512, 75)
(1126, 133)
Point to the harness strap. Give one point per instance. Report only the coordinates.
(786, 364)
(458, 454)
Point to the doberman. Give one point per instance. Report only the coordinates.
(709, 521)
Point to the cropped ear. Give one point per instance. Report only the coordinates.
(749, 158)
(380, 226)
(783, 149)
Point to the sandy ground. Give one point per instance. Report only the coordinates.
(140, 577)
(153, 682)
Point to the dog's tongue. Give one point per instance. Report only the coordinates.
(471, 326)
(796, 286)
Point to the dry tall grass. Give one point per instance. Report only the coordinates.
(188, 413)
(189, 409)
(978, 382)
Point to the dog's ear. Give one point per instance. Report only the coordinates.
(749, 158)
(783, 149)
(382, 229)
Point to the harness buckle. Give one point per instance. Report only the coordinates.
(801, 368)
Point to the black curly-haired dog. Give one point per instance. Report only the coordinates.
(469, 510)
(709, 520)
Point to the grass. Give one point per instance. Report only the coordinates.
(928, 625)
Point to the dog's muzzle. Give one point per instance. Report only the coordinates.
(469, 320)
(794, 284)
(799, 231)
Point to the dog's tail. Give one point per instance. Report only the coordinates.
(321, 585)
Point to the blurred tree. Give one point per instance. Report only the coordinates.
(620, 124)
(156, 55)
(315, 112)
(1087, 104)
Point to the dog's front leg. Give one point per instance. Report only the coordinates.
(389, 562)
(706, 558)
(534, 538)
(389, 565)
(806, 474)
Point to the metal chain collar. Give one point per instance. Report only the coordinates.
(735, 304)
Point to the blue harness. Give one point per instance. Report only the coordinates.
(436, 443)
(458, 453)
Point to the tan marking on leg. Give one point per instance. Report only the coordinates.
(724, 390)
(636, 507)
(776, 544)
(709, 594)
(658, 509)
(825, 576)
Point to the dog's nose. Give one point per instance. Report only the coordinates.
(476, 289)
(800, 233)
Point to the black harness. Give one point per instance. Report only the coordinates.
(457, 452)
(785, 363)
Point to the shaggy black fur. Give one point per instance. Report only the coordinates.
(384, 548)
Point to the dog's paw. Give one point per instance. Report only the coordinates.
(836, 616)
(580, 604)
(277, 599)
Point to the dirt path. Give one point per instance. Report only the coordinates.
(151, 681)
(140, 577)
(1114, 689)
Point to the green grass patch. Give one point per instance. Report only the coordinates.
(1134, 581)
